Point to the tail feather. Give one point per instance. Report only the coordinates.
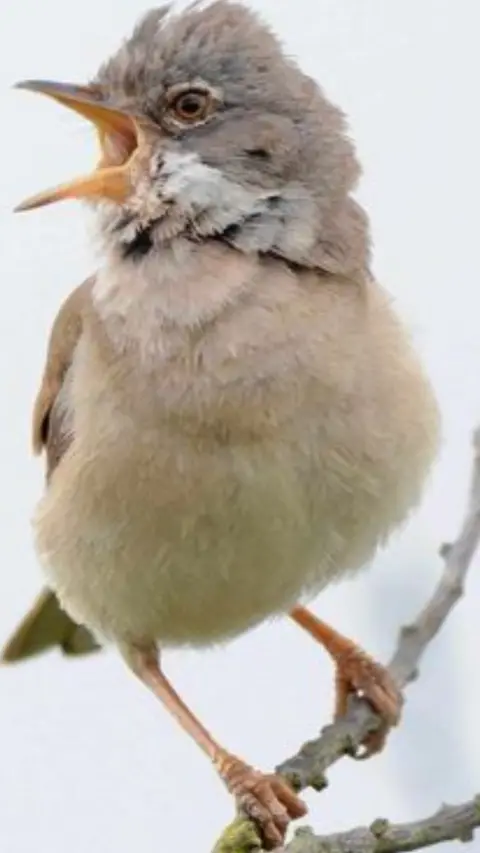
(44, 627)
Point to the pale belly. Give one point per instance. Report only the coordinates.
(185, 548)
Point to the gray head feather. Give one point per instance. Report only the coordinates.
(272, 170)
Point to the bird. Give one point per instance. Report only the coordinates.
(233, 413)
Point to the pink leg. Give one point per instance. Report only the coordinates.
(266, 798)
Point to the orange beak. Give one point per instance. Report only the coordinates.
(119, 135)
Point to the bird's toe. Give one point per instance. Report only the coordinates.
(265, 798)
(358, 673)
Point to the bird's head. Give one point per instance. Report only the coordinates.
(207, 130)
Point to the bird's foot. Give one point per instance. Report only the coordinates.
(265, 798)
(357, 673)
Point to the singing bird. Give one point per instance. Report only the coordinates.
(233, 415)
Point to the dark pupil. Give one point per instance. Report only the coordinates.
(190, 104)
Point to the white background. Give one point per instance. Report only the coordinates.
(88, 759)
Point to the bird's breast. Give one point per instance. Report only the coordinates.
(220, 475)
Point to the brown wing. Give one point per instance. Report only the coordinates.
(47, 432)
(46, 625)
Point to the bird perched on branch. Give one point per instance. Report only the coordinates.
(232, 414)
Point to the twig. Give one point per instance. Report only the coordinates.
(450, 823)
(307, 767)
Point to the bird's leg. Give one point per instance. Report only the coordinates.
(266, 798)
(356, 672)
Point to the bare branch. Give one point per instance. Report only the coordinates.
(457, 557)
(451, 823)
(307, 767)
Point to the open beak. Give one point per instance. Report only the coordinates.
(119, 134)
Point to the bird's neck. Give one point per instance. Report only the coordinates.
(184, 285)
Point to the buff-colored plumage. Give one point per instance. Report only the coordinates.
(216, 475)
(233, 414)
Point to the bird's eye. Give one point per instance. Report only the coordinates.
(191, 106)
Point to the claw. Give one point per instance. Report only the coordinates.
(360, 674)
(265, 798)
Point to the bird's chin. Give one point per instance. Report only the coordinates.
(133, 232)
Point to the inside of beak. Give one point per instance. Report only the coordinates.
(119, 135)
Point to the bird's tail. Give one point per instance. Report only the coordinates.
(44, 627)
